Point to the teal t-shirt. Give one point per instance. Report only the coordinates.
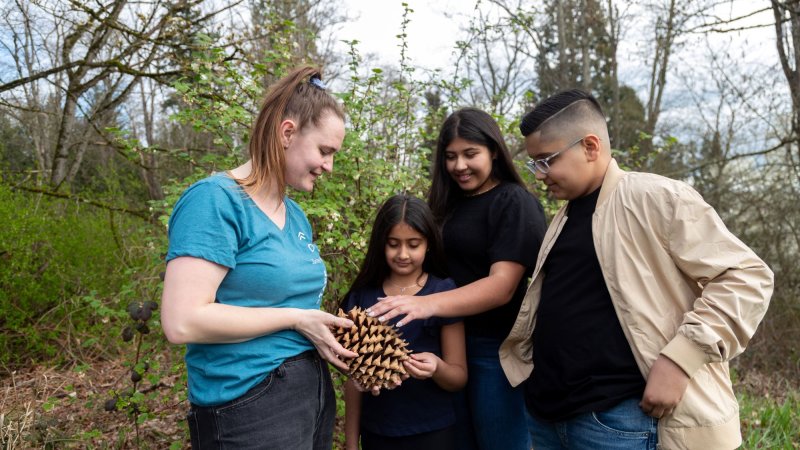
(268, 267)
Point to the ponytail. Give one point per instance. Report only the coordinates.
(300, 96)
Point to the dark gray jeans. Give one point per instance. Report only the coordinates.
(293, 408)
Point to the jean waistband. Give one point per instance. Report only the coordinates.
(308, 354)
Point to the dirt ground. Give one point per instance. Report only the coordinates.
(44, 407)
(54, 408)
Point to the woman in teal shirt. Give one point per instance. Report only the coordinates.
(244, 283)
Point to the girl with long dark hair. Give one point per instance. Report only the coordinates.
(405, 257)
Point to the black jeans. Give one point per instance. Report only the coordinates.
(293, 408)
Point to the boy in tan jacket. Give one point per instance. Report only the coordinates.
(639, 299)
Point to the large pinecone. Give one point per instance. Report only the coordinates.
(380, 350)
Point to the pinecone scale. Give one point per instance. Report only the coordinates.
(381, 350)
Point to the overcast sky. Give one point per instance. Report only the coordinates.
(436, 26)
(431, 33)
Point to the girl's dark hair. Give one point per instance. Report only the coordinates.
(400, 208)
(475, 126)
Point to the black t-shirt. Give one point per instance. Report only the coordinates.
(504, 224)
(582, 361)
(417, 406)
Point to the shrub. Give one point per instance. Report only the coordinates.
(61, 266)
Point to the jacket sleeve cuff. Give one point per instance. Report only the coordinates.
(685, 354)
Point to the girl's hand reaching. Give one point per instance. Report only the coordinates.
(422, 365)
(316, 326)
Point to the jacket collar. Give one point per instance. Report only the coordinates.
(610, 180)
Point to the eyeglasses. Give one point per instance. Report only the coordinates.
(543, 165)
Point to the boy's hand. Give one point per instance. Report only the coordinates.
(666, 384)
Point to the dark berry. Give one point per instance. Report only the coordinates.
(145, 313)
(127, 334)
(132, 308)
(135, 310)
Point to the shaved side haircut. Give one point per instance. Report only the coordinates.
(568, 114)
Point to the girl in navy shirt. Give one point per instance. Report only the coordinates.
(405, 258)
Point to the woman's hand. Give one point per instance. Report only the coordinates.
(316, 325)
(422, 365)
(411, 306)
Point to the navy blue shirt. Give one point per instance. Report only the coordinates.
(417, 406)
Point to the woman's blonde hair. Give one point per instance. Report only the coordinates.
(300, 96)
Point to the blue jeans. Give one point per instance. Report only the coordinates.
(623, 427)
(292, 409)
(490, 414)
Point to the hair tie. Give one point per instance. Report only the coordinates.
(317, 82)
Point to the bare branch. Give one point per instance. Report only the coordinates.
(140, 213)
(685, 171)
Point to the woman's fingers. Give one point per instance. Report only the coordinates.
(341, 322)
(340, 351)
(316, 326)
(338, 363)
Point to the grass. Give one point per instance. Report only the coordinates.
(769, 422)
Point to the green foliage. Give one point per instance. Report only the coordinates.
(15, 145)
(380, 155)
(767, 423)
(59, 266)
(378, 159)
(74, 279)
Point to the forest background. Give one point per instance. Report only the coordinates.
(110, 109)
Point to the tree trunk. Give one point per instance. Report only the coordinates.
(585, 42)
(61, 152)
(149, 160)
(614, 110)
(563, 59)
(788, 42)
(658, 74)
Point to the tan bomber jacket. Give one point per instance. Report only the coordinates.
(682, 286)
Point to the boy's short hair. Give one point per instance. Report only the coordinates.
(572, 106)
